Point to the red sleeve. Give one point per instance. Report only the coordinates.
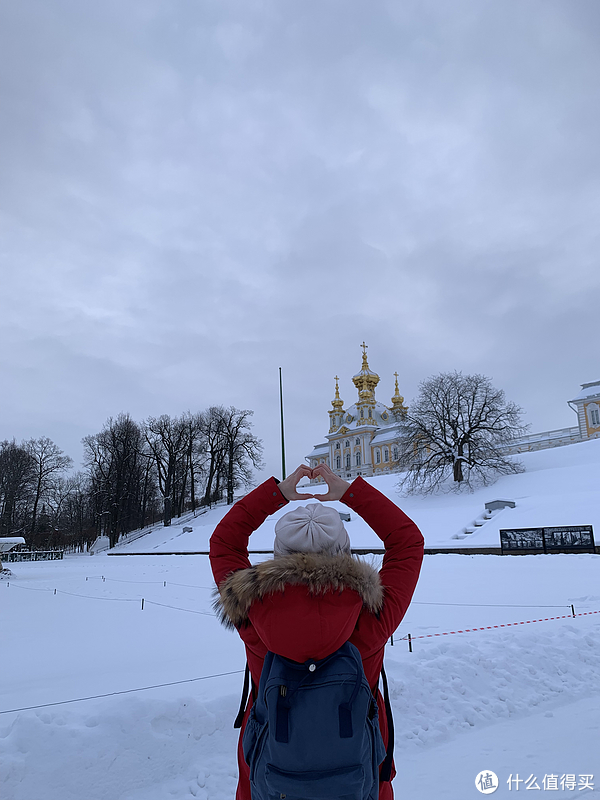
(403, 544)
(229, 542)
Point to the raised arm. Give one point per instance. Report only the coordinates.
(403, 556)
(401, 538)
(229, 542)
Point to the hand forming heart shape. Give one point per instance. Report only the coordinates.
(337, 486)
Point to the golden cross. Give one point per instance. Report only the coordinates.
(364, 347)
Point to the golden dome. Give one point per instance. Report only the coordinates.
(366, 380)
(336, 402)
(398, 401)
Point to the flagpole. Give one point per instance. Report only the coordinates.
(282, 438)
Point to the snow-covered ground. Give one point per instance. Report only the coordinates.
(521, 700)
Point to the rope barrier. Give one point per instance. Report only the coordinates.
(164, 582)
(190, 586)
(117, 599)
(485, 605)
(422, 636)
(502, 625)
(177, 608)
(29, 588)
(124, 691)
(73, 594)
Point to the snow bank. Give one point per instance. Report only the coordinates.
(145, 748)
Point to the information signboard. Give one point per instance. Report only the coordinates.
(562, 539)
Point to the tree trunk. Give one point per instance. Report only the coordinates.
(167, 496)
(230, 467)
(211, 476)
(38, 492)
(457, 467)
(192, 485)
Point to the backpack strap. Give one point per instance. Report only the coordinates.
(385, 772)
(240, 717)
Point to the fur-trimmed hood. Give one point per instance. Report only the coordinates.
(319, 572)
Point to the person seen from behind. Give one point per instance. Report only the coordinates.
(313, 595)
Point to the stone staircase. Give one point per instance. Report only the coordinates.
(492, 509)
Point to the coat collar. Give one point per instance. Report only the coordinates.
(319, 572)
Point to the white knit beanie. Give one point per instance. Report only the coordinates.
(314, 528)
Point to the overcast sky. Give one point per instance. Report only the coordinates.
(196, 192)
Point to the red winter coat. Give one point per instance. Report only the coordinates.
(307, 605)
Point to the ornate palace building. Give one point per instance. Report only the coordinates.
(362, 439)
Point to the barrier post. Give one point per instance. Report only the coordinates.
(409, 643)
(573, 609)
(142, 603)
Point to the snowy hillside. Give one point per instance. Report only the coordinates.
(103, 700)
(559, 487)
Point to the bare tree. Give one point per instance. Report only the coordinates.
(214, 446)
(72, 510)
(116, 470)
(243, 450)
(194, 458)
(167, 440)
(50, 463)
(17, 475)
(459, 427)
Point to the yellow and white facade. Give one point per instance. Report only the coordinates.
(362, 439)
(587, 407)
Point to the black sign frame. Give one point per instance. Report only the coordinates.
(551, 539)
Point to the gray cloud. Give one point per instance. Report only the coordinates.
(192, 195)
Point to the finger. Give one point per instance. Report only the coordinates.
(324, 468)
(303, 471)
(322, 497)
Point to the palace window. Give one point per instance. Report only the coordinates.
(370, 414)
(386, 454)
(347, 444)
(338, 462)
(395, 452)
(358, 459)
(348, 462)
(362, 413)
(595, 417)
(357, 441)
(377, 457)
(337, 445)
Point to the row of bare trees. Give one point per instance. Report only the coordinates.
(31, 479)
(134, 474)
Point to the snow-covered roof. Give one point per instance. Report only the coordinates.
(319, 451)
(587, 390)
(385, 436)
(8, 542)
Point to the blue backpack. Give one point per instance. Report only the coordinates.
(313, 731)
